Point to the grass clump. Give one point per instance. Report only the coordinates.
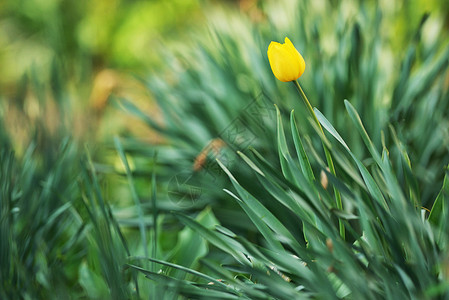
(236, 197)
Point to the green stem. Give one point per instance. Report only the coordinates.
(330, 162)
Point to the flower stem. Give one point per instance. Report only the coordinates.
(330, 162)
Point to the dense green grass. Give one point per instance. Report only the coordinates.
(235, 200)
(389, 164)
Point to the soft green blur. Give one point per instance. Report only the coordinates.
(120, 34)
(112, 115)
(126, 34)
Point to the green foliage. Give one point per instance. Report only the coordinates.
(40, 229)
(390, 244)
(236, 200)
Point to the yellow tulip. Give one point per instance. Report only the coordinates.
(285, 61)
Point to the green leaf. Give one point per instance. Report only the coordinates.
(284, 154)
(191, 247)
(250, 163)
(302, 156)
(438, 213)
(134, 195)
(300, 208)
(305, 191)
(184, 269)
(394, 187)
(411, 180)
(357, 121)
(223, 242)
(261, 226)
(93, 284)
(373, 188)
(186, 288)
(328, 126)
(262, 212)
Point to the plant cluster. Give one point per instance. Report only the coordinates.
(331, 187)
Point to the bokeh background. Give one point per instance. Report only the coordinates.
(112, 114)
(96, 48)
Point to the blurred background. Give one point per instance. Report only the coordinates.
(148, 89)
(95, 48)
(90, 48)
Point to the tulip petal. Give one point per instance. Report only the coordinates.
(286, 62)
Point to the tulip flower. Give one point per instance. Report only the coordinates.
(287, 64)
(285, 61)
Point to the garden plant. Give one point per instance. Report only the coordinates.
(287, 150)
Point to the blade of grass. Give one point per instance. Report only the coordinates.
(368, 179)
(302, 156)
(261, 226)
(134, 195)
(259, 210)
(223, 242)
